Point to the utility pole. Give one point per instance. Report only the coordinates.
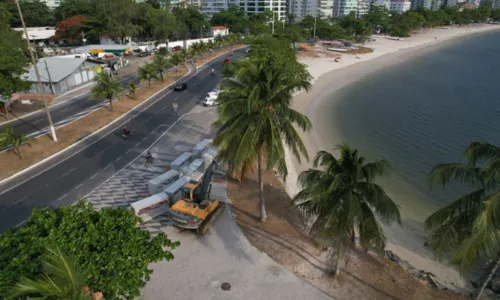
(83, 38)
(273, 24)
(37, 72)
(50, 78)
(314, 30)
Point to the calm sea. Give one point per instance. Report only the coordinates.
(423, 112)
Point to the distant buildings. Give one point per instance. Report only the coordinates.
(427, 4)
(302, 8)
(52, 4)
(495, 4)
(397, 6)
(219, 30)
(38, 34)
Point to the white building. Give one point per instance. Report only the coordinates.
(325, 8)
(219, 30)
(38, 34)
(278, 7)
(495, 4)
(211, 7)
(427, 4)
(342, 8)
(52, 4)
(397, 6)
(302, 8)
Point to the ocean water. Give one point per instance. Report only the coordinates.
(423, 112)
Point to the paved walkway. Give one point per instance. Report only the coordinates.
(202, 263)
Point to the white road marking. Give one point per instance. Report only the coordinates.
(37, 121)
(194, 83)
(45, 208)
(118, 159)
(78, 187)
(69, 172)
(104, 150)
(20, 200)
(164, 107)
(107, 167)
(20, 224)
(149, 119)
(128, 151)
(62, 110)
(137, 144)
(144, 138)
(176, 98)
(62, 197)
(94, 175)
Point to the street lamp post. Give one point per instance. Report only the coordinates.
(37, 72)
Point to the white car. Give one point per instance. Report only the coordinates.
(211, 98)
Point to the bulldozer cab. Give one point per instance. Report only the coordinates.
(191, 191)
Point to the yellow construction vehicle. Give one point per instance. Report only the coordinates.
(196, 210)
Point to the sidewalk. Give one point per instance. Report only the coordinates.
(201, 264)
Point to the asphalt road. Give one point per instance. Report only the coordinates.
(73, 178)
(38, 123)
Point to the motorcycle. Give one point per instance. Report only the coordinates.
(126, 136)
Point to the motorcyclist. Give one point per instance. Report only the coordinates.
(212, 72)
(126, 132)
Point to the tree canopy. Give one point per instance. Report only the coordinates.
(13, 57)
(112, 252)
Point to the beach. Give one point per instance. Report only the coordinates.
(329, 77)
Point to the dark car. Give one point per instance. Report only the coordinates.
(180, 86)
(144, 54)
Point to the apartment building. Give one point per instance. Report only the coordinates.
(427, 4)
(495, 4)
(325, 8)
(302, 8)
(278, 7)
(397, 6)
(210, 7)
(342, 8)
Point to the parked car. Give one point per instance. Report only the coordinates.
(176, 48)
(180, 87)
(227, 61)
(144, 54)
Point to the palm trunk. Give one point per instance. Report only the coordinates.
(337, 261)
(149, 82)
(493, 269)
(263, 216)
(110, 102)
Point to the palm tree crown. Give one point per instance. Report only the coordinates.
(256, 121)
(469, 227)
(162, 64)
(147, 72)
(107, 86)
(344, 199)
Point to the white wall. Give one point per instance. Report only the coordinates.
(183, 44)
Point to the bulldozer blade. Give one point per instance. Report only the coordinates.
(210, 219)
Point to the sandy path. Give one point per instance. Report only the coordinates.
(328, 78)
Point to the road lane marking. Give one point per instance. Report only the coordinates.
(164, 107)
(137, 144)
(118, 159)
(194, 83)
(128, 151)
(45, 208)
(37, 121)
(20, 224)
(94, 175)
(63, 110)
(78, 187)
(20, 200)
(149, 119)
(107, 167)
(176, 98)
(100, 152)
(69, 172)
(62, 197)
(144, 138)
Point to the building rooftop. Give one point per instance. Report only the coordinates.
(38, 33)
(219, 27)
(59, 67)
(104, 48)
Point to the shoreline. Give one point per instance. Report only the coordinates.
(406, 242)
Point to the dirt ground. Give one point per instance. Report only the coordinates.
(281, 237)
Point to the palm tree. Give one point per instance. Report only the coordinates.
(256, 120)
(61, 280)
(147, 72)
(184, 54)
(218, 41)
(469, 227)
(131, 87)
(344, 199)
(9, 139)
(176, 60)
(162, 64)
(107, 86)
(202, 47)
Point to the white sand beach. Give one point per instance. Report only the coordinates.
(329, 77)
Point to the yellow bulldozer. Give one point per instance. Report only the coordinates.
(196, 210)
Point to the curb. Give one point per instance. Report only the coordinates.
(98, 131)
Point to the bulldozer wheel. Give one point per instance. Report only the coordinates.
(210, 219)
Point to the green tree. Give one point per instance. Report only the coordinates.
(256, 121)
(35, 14)
(70, 8)
(378, 16)
(61, 279)
(191, 17)
(469, 228)
(162, 64)
(120, 18)
(234, 17)
(345, 199)
(184, 54)
(176, 59)
(112, 252)
(147, 72)
(293, 34)
(13, 58)
(131, 87)
(8, 138)
(164, 26)
(107, 86)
